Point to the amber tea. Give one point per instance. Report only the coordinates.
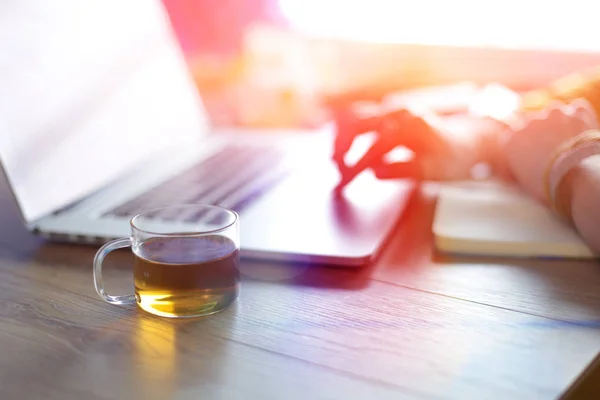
(185, 276)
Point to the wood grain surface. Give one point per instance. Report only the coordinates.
(413, 325)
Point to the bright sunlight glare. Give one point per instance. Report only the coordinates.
(567, 25)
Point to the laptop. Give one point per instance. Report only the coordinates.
(100, 119)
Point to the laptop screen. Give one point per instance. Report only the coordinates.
(89, 90)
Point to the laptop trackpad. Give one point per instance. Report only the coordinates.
(303, 215)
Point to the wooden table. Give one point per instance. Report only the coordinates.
(412, 326)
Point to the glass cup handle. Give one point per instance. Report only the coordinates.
(99, 282)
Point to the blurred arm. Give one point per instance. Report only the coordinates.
(581, 189)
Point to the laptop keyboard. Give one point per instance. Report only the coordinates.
(233, 178)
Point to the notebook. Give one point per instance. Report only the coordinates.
(490, 218)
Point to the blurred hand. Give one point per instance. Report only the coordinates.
(435, 154)
(530, 148)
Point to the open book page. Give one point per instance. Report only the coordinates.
(489, 218)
